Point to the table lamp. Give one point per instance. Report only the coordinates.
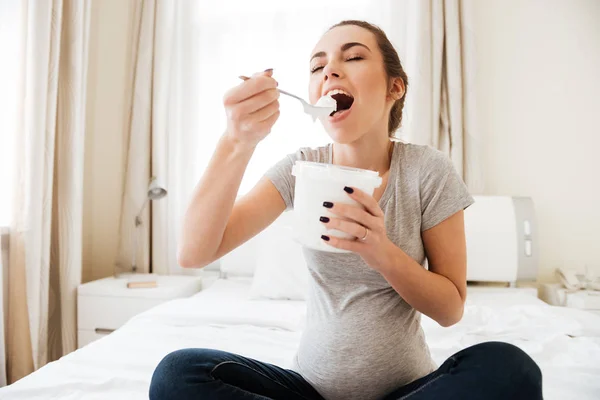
(155, 192)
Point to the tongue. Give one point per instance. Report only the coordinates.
(343, 101)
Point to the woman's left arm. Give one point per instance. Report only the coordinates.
(439, 292)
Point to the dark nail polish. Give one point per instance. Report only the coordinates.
(327, 204)
(348, 190)
(268, 69)
(324, 219)
(325, 238)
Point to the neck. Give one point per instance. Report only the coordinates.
(369, 152)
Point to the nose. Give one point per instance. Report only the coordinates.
(331, 70)
(333, 74)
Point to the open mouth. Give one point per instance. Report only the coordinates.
(344, 101)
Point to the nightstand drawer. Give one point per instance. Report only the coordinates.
(99, 312)
(106, 304)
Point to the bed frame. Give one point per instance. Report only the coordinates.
(502, 241)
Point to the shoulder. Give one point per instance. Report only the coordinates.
(316, 154)
(423, 159)
(284, 166)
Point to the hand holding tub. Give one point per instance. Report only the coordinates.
(323, 183)
(365, 224)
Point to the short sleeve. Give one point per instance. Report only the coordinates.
(443, 192)
(281, 176)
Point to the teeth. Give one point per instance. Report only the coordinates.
(336, 91)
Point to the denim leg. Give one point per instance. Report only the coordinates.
(213, 374)
(491, 371)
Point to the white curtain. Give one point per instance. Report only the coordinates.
(159, 109)
(10, 28)
(138, 140)
(3, 303)
(45, 230)
(441, 104)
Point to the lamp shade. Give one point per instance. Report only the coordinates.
(156, 190)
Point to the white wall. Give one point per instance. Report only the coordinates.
(538, 82)
(108, 81)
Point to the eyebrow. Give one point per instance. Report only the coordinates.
(344, 47)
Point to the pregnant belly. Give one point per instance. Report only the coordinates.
(362, 360)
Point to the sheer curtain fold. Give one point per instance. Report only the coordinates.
(441, 103)
(138, 139)
(45, 233)
(152, 134)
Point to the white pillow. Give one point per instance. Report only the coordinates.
(281, 271)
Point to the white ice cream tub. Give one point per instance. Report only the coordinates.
(317, 183)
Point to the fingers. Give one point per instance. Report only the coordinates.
(366, 200)
(258, 101)
(265, 112)
(349, 227)
(354, 213)
(266, 125)
(249, 88)
(344, 244)
(256, 109)
(266, 72)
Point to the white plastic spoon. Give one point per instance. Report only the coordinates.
(313, 110)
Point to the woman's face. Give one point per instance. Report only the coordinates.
(348, 58)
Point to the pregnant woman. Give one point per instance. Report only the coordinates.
(363, 339)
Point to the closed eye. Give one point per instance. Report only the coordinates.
(355, 58)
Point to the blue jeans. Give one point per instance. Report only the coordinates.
(490, 371)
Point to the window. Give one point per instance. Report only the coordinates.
(9, 77)
(242, 37)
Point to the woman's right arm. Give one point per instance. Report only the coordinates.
(214, 223)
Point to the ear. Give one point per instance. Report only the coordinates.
(397, 88)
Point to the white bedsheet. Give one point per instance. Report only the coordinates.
(564, 342)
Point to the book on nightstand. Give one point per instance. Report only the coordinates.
(140, 281)
(142, 284)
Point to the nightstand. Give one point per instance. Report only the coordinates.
(106, 304)
(555, 294)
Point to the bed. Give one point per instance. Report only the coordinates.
(257, 309)
(564, 342)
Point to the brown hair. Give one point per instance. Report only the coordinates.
(392, 64)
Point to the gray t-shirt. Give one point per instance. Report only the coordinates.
(362, 340)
